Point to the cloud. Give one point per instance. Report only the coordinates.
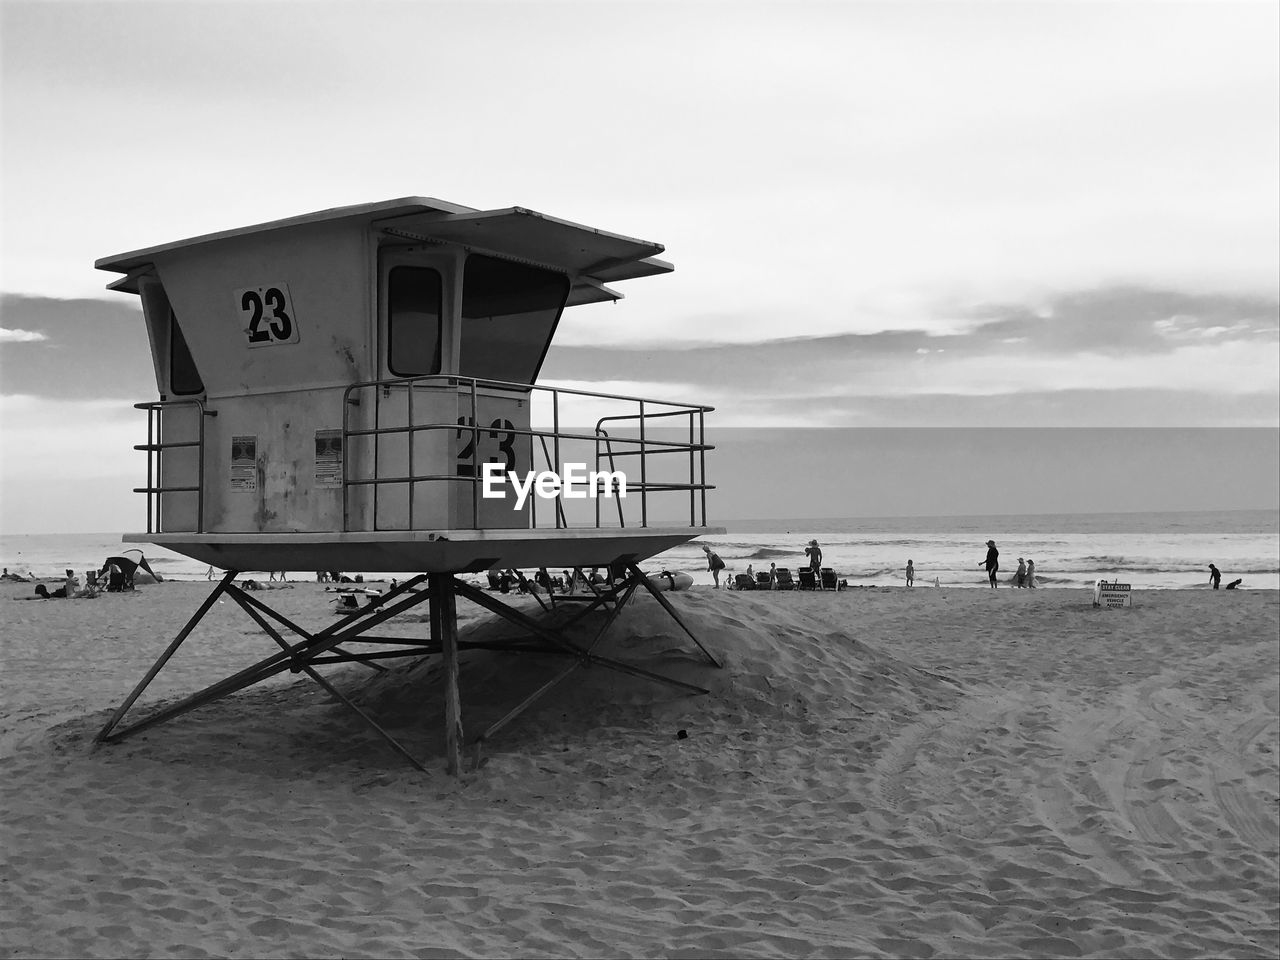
(75, 349)
(1125, 342)
(20, 336)
(1154, 357)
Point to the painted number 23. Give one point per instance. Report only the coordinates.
(503, 431)
(268, 313)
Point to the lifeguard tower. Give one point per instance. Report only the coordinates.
(331, 389)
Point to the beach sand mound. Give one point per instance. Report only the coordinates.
(779, 665)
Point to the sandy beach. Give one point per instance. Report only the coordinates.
(877, 772)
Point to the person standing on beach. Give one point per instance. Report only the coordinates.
(992, 563)
(1031, 574)
(543, 579)
(1022, 573)
(815, 557)
(911, 574)
(1215, 576)
(714, 564)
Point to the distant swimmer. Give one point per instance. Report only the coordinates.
(992, 563)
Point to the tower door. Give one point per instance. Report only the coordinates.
(461, 338)
(414, 444)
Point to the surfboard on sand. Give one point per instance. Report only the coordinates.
(670, 581)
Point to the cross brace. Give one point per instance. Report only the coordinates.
(440, 593)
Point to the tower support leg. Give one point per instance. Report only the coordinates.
(444, 631)
(164, 657)
(441, 595)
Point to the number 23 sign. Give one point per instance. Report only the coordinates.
(267, 312)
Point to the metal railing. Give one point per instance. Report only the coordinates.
(155, 448)
(644, 446)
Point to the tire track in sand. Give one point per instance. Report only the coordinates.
(1070, 801)
(1249, 818)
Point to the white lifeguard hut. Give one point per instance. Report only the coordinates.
(332, 387)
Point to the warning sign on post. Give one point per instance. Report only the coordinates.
(244, 463)
(1112, 594)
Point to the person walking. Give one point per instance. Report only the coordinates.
(1022, 573)
(1031, 574)
(1215, 576)
(714, 564)
(815, 559)
(911, 574)
(992, 563)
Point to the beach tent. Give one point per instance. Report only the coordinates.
(135, 571)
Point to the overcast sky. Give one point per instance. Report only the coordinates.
(881, 214)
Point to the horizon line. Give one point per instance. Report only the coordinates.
(933, 516)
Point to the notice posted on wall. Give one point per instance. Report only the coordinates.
(329, 458)
(244, 463)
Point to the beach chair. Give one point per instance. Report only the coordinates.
(743, 581)
(829, 579)
(784, 580)
(583, 590)
(762, 581)
(807, 580)
(347, 603)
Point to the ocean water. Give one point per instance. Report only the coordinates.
(1147, 550)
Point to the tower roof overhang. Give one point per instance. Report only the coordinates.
(591, 257)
